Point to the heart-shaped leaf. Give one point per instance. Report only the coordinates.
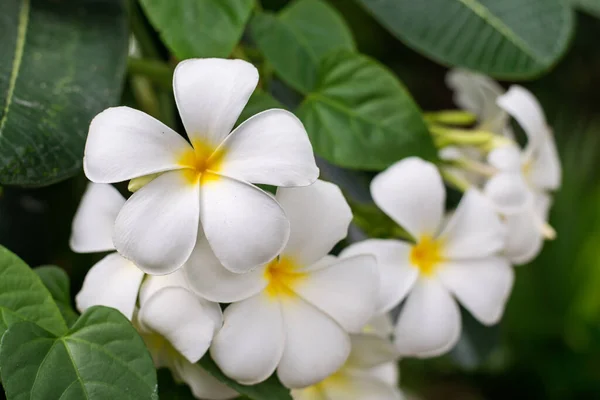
(57, 282)
(101, 357)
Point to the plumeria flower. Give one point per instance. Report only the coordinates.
(114, 281)
(450, 260)
(201, 188)
(371, 372)
(177, 327)
(291, 314)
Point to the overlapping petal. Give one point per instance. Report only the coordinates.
(251, 342)
(522, 105)
(412, 193)
(202, 384)
(319, 218)
(369, 351)
(271, 147)
(124, 143)
(94, 220)
(244, 225)
(211, 94)
(358, 386)
(112, 282)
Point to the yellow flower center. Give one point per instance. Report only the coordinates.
(203, 162)
(426, 255)
(282, 274)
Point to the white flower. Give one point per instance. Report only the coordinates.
(201, 189)
(113, 281)
(291, 314)
(454, 259)
(371, 372)
(178, 327)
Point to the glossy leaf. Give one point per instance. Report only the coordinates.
(199, 28)
(271, 389)
(360, 116)
(101, 357)
(57, 282)
(62, 62)
(507, 39)
(259, 102)
(23, 297)
(295, 40)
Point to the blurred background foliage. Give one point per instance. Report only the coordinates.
(548, 344)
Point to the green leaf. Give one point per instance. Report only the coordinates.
(360, 116)
(23, 297)
(259, 102)
(56, 281)
(271, 389)
(62, 62)
(592, 7)
(199, 28)
(295, 40)
(511, 39)
(101, 357)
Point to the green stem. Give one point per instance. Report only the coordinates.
(141, 33)
(156, 71)
(457, 182)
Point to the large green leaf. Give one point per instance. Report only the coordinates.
(101, 357)
(503, 38)
(23, 297)
(62, 62)
(295, 40)
(199, 28)
(258, 102)
(590, 6)
(271, 389)
(360, 116)
(57, 282)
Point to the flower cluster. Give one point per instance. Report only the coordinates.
(197, 232)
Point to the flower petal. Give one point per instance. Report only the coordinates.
(176, 314)
(506, 158)
(482, 286)
(210, 94)
(522, 105)
(388, 373)
(272, 148)
(545, 170)
(202, 384)
(380, 325)
(396, 274)
(412, 193)
(524, 240)
(112, 282)
(158, 225)
(315, 345)
(95, 219)
(319, 218)
(250, 344)
(429, 324)
(369, 351)
(347, 291)
(206, 276)
(124, 143)
(474, 230)
(244, 225)
(356, 385)
(508, 191)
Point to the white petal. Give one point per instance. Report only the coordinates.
(545, 169)
(250, 344)
(112, 282)
(347, 291)
(158, 225)
(202, 384)
(369, 351)
(271, 148)
(207, 276)
(95, 218)
(474, 230)
(315, 345)
(176, 314)
(508, 191)
(354, 385)
(524, 240)
(522, 105)
(210, 94)
(482, 286)
(396, 275)
(388, 373)
(506, 158)
(412, 193)
(244, 225)
(380, 325)
(429, 324)
(124, 143)
(319, 218)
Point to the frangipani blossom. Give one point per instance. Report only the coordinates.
(453, 260)
(201, 189)
(114, 281)
(177, 327)
(370, 373)
(293, 313)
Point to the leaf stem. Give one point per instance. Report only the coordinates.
(156, 71)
